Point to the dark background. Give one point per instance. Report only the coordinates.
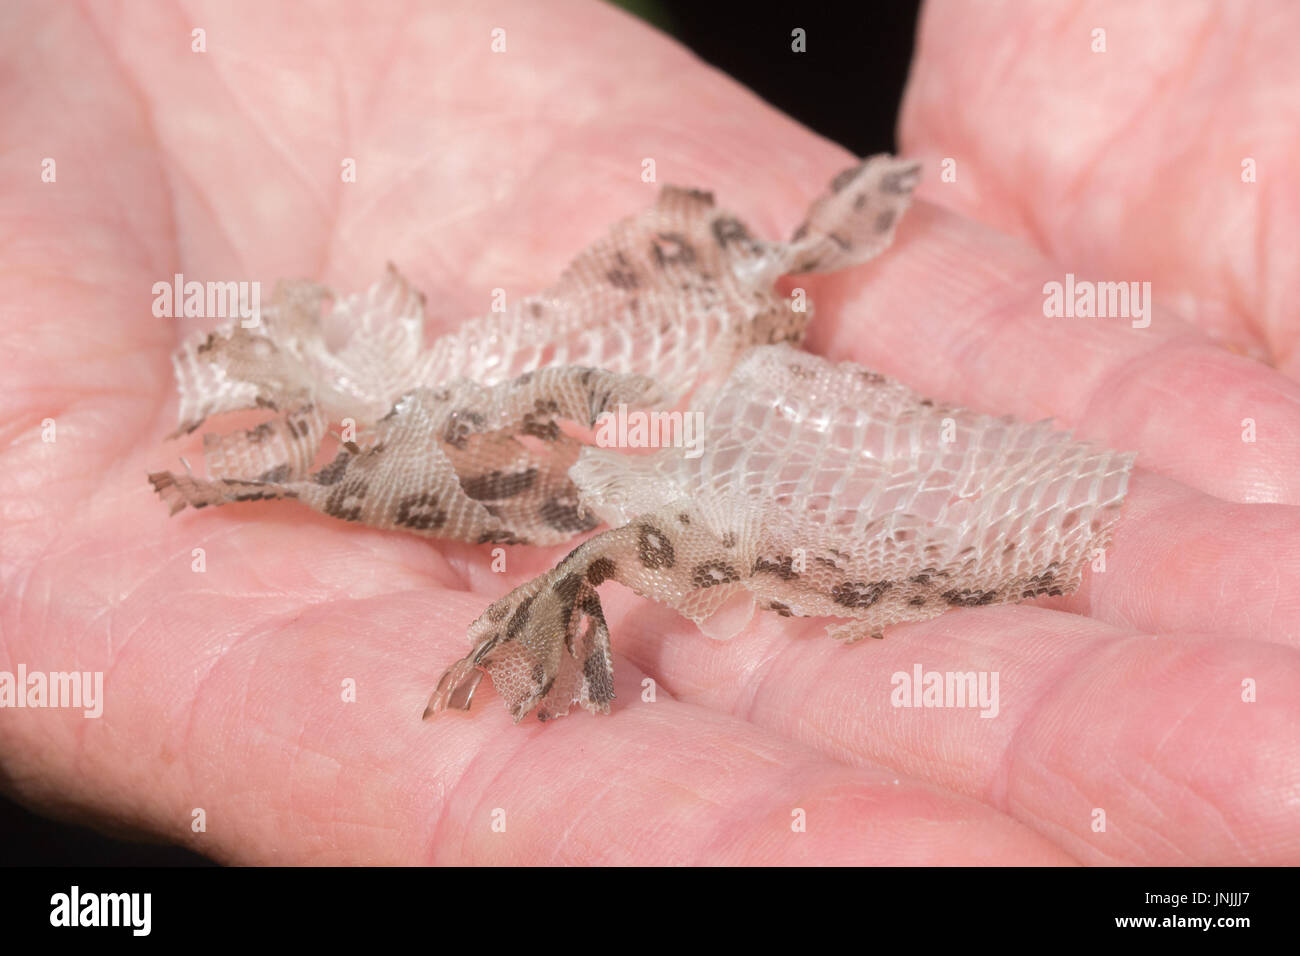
(846, 87)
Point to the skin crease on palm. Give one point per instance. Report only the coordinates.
(480, 170)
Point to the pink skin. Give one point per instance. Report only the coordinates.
(479, 170)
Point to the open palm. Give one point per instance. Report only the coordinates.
(479, 170)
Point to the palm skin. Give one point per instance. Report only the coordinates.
(479, 170)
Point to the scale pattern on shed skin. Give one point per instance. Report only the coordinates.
(462, 439)
(823, 490)
(408, 475)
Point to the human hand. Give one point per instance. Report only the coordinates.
(479, 170)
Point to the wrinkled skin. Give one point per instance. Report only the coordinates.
(478, 171)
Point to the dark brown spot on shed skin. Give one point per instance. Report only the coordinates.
(1044, 583)
(923, 576)
(520, 618)
(461, 424)
(540, 426)
(843, 178)
(253, 496)
(600, 570)
(259, 433)
(419, 512)
(563, 514)
(701, 196)
(566, 589)
(276, 475)
(600, 687)
(343, 501)
(859, 593)
(782, 567)
(654, 548)
(496, 485)
(899, 183)
(501, 536)
(727, 230)
(710, 574)
(622, 276)
(970, 597)
(590, 605)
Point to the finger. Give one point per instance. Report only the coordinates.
(1092, 724)
(1123, 158)
(264, 746)
(1183, 561)
(956, 312)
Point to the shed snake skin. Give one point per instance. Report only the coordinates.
(818, 489)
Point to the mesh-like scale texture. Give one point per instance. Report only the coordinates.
(821, 489)
(462, 439)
